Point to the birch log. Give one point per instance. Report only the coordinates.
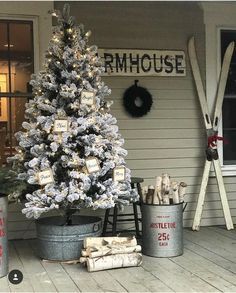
(165, 199)
(114, 261)
(182, 191)
(118, 249)
(83, 259)
(100, 241)
(144, 193)
(165, 184)
(149, 197)
(157, 198)
(175, 191)
(165, 188)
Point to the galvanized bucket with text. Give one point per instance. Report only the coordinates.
(3, 236)
(162, 230)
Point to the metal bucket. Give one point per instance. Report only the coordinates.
(57, 241)
(162, 230)
(3, 236)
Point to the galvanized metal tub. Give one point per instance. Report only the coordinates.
(3, 236)
(57, 241)
(162, 230)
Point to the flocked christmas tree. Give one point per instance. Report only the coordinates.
(70, 152)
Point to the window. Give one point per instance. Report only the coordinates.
(16, 67)
(229, 105)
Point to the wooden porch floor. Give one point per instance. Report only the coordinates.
(207, 265)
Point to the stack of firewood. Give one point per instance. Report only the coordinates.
(165, 191)
(102, 253)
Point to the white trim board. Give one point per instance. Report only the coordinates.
(214, 21)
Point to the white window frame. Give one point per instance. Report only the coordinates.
(215, 21)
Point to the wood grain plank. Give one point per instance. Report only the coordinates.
(107, 283)
(150, 281)
(221, 230)
(4, 285)
(211, 273)
(15, 263)
(210, 255)
(61, 280)
(208, 221)
(177, 278)
(218, 246)
(82, 279)
(226, 243)
(39, 279)
(128, 280)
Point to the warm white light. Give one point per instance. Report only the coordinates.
(88, 34)
(6, 45)
(69, 30)
(55, 39)
(54, 14)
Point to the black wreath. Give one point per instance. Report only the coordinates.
(131, 94)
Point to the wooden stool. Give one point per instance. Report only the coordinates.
(131, 216)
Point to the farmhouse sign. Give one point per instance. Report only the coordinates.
(143, 62)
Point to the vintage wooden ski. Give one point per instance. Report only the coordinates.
(198, 83)
(211, 129)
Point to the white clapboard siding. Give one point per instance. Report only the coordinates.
(163, 133)
(164, 153)
(162, 104)
(160, 113)
(171, 137)
(120, 82)
(161, 94)
(175, 143)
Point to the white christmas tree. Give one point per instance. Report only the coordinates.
(70, 152)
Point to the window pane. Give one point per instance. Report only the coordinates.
(229, 148)
(4, 69)
(3, 41)
(16, 67)
(229, 105)
(229, 131)
(4, 86)
(21, 56)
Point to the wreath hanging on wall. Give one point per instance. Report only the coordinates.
(137, 100)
